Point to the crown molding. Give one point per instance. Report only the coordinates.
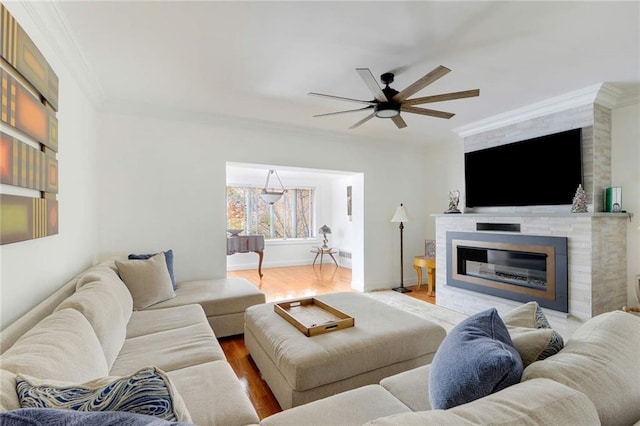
(539, 109)
(50, 20)
(605, 94)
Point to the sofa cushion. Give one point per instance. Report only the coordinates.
(152, 321)
(409, 387)
(169, 350)
(214, 395)
(476, 359)
(531, 333)
(63, 346)
(51, 416)
(601, 361)
(147, 391)
(353, 407)
(107, 304)
(147, 280)
(532, 403)
(97, 273)
(168, 257)
(8, 395)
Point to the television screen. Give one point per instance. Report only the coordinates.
(535, 172)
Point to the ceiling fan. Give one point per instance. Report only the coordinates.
(388, 102)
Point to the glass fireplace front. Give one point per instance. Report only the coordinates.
(517, 267)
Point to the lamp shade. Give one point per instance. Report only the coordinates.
(400, 215)
(325, 229)
(271, 197)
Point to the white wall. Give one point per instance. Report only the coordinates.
(445, 172)
(625, 172)
(31, 270)
(162, 185)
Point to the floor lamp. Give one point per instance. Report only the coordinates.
(401, 216)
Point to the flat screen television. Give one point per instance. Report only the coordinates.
(535, 172)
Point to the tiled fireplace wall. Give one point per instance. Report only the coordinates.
(597, 269)
(596, 241)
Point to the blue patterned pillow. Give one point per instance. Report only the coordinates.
(476, 359)
(148, 392)
(168, 257)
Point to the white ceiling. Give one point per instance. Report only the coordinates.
(258, 60)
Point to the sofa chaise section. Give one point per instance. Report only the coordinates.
(223, 301)
(88, 330)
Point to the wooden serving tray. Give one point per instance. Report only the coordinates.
(312, 316)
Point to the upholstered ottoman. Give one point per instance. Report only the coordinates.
(384, 341)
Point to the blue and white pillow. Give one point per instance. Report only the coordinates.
(148, 392)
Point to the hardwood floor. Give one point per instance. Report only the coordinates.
(281, 284)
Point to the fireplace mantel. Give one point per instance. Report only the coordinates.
(536, 214)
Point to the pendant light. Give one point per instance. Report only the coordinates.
(271, 195)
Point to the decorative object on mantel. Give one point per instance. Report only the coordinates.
(579, 201)
(401, 216)
(271, 195)
(234, 232)
(454, 199)
(324, 230)
(613, 199)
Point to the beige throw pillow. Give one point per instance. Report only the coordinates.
(531, 334)
(147, 280)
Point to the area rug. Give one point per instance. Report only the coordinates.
(442, 316)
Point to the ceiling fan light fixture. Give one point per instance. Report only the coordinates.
(387, 110)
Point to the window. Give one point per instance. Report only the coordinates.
(290, 217)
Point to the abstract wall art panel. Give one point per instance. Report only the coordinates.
(23, 111)
(18, 49)
(29, 137)
(25, 166)
(26, 218)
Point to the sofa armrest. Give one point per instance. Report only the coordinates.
(534, 402)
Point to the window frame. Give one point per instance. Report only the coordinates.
(251, 212)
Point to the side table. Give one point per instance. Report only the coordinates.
(319, 251)
(429, 264)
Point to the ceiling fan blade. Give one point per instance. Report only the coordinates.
(368, 79)
(399, 122)
(343, 112)
(364, 120)
(421, 83)
(425, 111)
(340, 98)
(443, 97)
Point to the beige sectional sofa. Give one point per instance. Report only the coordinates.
(594, 379)
(88, 330)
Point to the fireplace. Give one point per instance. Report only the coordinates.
(512, 266)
